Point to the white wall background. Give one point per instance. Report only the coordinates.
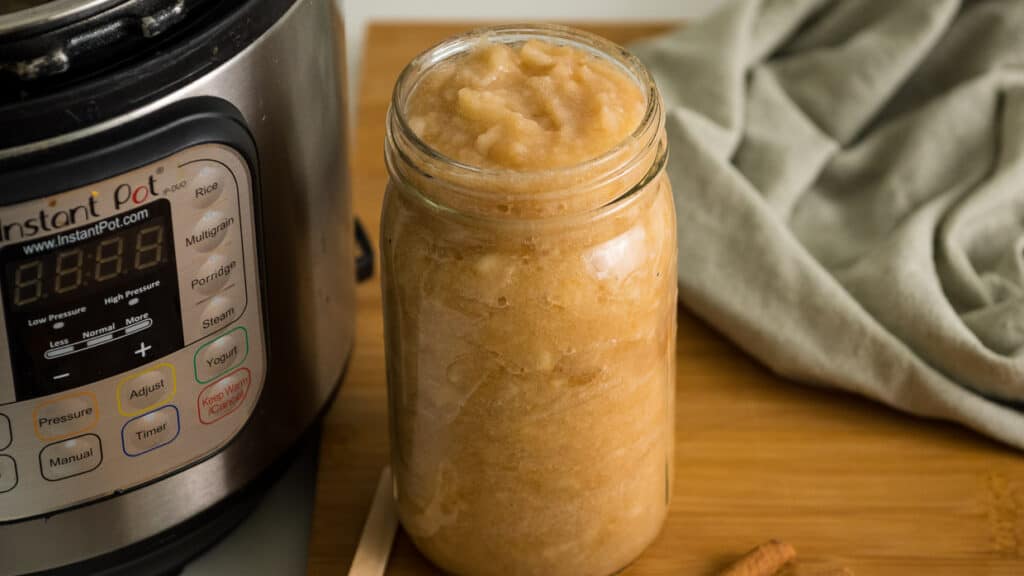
(359, 12)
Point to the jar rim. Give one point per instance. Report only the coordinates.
(650, 125)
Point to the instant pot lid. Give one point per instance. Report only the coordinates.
(31, 16)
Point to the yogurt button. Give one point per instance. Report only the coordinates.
(209, 231)
(8, 474)
(214, 274)
(72, 457)
(208, 184)
(221, 355)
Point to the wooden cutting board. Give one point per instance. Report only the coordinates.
(847, 481)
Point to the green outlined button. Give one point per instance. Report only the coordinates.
(224, 353)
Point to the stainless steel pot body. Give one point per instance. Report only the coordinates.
(288, 87)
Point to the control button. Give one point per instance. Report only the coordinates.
(65, 416)
(223, 354)
(207, 185)
(146, 390)
(224, 396)
(220, 311)
(73, 457)
(150, 431)
(5, 432)
(209, 231)
(214, 274)
(8, 474)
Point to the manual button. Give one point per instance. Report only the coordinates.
(62, 460)
(225, 353)
(146, 390)
(209, 231)
(150, 431)
(64, 416)
(8, 474)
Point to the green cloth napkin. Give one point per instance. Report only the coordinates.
(849, 178)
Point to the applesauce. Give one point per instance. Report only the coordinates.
(528, 257)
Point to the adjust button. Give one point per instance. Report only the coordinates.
(225, 353)
(150, 431)
(65, 416)
(224, 396)
(5, 432)
(146, 390)
(73, 457)
(208, 184)
(8, 474)
(219, 312)
(214, 274)
(209, 231)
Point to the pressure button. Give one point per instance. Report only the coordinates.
(65, 416)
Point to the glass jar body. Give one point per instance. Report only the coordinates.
(531, 381)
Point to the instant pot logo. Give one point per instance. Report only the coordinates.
(56, 217)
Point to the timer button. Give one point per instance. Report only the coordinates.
(214, 274)
(208, 184)
(150, 431)
(5, 432)
(146, 390)
(73, 457)
(64, 416)
(225, 353)
(209, 231)
(8, 474)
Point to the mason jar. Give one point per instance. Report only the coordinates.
(530, 322)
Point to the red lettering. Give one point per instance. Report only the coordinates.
(140, 194)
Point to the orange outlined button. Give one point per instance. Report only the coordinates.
(145, 390)
(65, 416)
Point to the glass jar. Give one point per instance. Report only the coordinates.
(530, 322)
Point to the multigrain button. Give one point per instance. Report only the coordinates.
(65, 416)
(150, 431)
(8, 474)
(79, 455)
(214, 274)
(209, 231)
(146, 390)
(225, 353)
(5, 432)
(208, 184)
(219, 312)
(224, 396)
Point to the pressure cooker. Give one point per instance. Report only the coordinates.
(176, 269)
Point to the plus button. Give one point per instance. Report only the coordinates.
(143, 348)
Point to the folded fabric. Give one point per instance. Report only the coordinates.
(849, 181)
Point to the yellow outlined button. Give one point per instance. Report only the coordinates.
(145, 390)
(65, 416)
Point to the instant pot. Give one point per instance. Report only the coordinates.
(176, 269)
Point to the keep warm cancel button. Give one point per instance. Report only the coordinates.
(224, 396)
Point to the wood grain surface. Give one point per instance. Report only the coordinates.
(848, 482)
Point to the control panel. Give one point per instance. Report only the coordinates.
(131, 329)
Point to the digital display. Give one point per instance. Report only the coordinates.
(87, 303)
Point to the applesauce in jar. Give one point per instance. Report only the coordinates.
(528, 255)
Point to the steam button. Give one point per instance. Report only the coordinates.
(219, 312)
(211, 229)
(207, 185)
(8, 474)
